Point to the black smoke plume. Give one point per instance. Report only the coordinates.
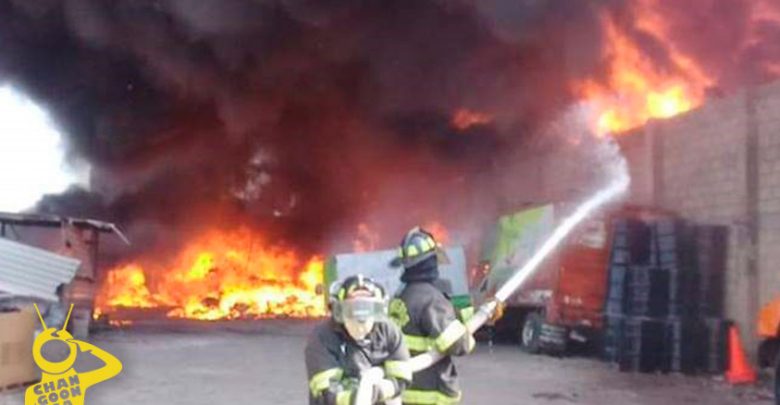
(305, 118)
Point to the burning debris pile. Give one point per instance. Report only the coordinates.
(220, 275)
(289, 128)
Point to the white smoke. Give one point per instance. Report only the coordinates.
(603, 160)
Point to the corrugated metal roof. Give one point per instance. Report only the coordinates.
(32, 272)
(55, 221)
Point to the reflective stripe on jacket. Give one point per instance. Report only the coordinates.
(428, 321)
(334, 361)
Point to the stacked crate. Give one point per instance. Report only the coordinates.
(628, 246)
(642, 340)
(712, 243)
(665, 297)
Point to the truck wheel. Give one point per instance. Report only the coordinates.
(767, 352)
(530, 333)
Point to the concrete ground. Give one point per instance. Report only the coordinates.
(236, 367)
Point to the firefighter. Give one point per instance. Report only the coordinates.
(428, 320)
(359, 337)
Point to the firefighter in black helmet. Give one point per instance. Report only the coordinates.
(356, 339)
(428, 320)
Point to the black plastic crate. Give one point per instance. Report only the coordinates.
(617, 281)
(682, 259)
(683, 349)
(712, 242)
(613, 333)
(647, 308)
(621, 239)
(629, 226)
(684, 294)
(616, 290)
(648, 276)
(631, 242)
(615, 307)
(647, 292)
(677, 241)
(711, 293)
(642, 345)
(716, 345)
(620, 256)
(663, 227)
(683, 310)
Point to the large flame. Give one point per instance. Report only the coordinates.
(220, 275)
(636, 88)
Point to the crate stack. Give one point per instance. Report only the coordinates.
(628, 246)
(664, 303)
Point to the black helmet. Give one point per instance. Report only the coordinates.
(357, 297)
(417, 246)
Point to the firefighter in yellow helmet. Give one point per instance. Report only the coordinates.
(358, 338)
(428, 320)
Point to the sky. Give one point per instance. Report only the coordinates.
(32, 154)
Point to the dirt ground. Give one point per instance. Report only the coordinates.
(236, 367)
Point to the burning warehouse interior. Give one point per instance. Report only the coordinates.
(600, 179)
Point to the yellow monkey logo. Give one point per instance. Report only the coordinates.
(60, 383)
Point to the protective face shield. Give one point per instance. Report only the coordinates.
(360, 313)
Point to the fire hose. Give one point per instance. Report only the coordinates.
(485, 311)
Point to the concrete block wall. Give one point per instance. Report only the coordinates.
(767, 113)
(718, 164)
(638, 148)
(702, 175)
(703, 161)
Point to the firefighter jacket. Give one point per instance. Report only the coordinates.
(428, 321)
(334, 361)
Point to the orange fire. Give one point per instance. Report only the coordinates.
(636, 90)
(464, 119)
(438, 230)
(125, 286)
(220, 275)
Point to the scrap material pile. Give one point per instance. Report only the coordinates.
(664, 303)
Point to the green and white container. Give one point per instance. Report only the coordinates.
(376, 265)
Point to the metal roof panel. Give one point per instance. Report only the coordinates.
(33, 272)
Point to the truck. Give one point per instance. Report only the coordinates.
(563, 301)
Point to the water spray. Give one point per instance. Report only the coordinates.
(608, 155)
(485, 312)
(557, 236)
(617, 168)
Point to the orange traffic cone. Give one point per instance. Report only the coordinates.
(740, 371)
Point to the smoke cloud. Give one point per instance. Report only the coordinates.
(307, 118)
